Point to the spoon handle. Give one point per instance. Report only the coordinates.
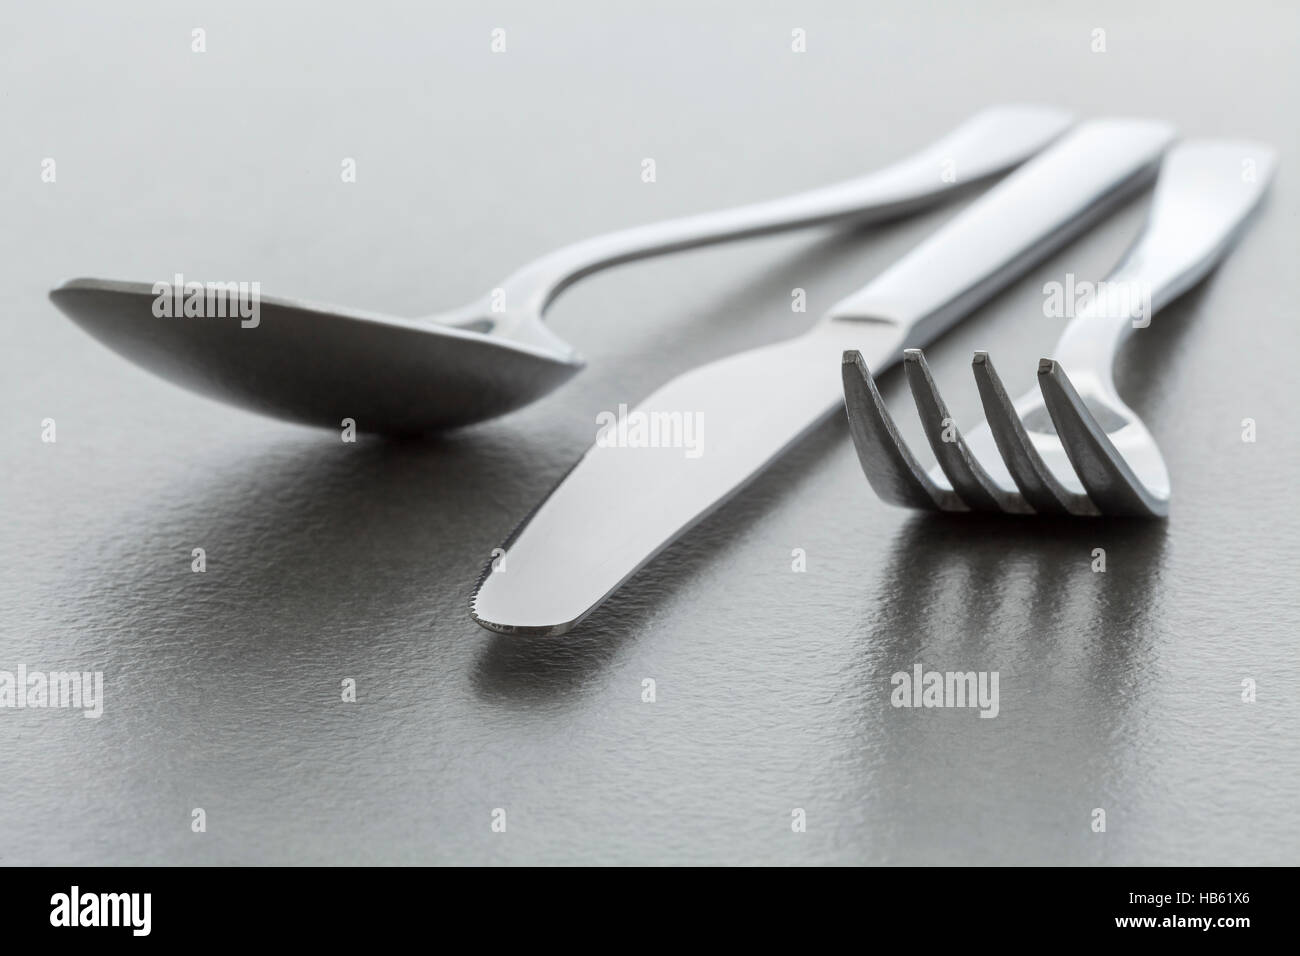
(990, 142)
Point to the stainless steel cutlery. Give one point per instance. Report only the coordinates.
(1071, 446)
(623, 502)
(319, 364)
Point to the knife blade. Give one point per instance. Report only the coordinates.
(694, 443)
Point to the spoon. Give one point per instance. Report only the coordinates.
(320, 364)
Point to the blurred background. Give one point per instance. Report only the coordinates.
(329, 561)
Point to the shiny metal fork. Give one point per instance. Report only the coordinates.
(1071, 447)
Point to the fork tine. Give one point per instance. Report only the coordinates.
(1028, 470)
(892, 471)
(969, 480)
(1105, 474)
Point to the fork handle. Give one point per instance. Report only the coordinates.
(989, 142)
(1206, 191)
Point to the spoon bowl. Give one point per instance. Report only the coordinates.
(319, 364)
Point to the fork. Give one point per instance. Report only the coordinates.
(1071, 447)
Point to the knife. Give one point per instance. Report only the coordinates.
(657, 470)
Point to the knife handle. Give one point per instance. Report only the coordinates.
(1016, 224)
(990, 142)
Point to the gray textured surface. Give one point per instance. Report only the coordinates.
(329, 560)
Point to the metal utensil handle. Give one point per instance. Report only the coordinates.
(1016, 224)
(1206, 191)
(989, 142)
